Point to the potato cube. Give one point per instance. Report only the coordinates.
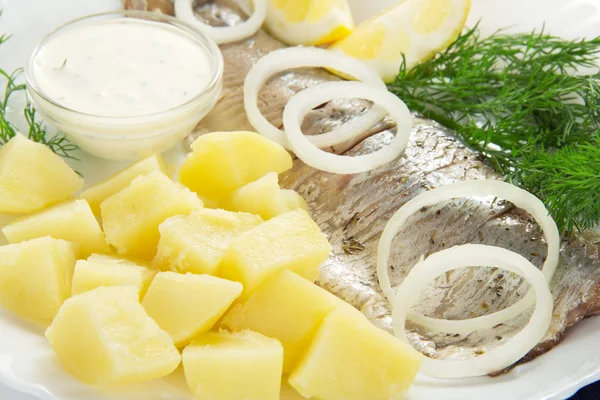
(288, 308)
(104, 337)
(113, 260)
(351, 359)
(288, 392)
(90, 275)
(262, 197)
(293, 200)
(196, 243)
(289, 241)
(72, 221)
(233, 366)
(32, 177)
(221, 162)
(132, 216)
(187, 305)
(35, 277)
(101, 191)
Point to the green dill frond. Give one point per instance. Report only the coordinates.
(568, 179)
(517, 99)
(37, 132)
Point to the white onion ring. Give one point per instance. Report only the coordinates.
(519, 197)
(476, 255)
(301, 57)
(224, 34)
(303, 102)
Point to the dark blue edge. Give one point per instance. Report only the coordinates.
(591, 392)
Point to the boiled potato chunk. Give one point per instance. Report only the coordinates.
(106, 259)
(132, 216)
(32, 177)
(72, 221)
(262, 197)
(351, 359)
(221, 162)
(288, 392)
(103, 190)
(35, 277)
(233, 366)
(288, 308)
(197, 242)
(104, 337)
(293, 200)
(187, 305)
(289, 241)
(90, 275)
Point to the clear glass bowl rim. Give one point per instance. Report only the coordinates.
(214, 83)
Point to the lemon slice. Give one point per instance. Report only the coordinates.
(309, 22)
(416, 28)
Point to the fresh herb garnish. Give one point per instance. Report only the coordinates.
(37, 132)
(517, 100)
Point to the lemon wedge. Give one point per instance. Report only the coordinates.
(416, 28)
(309, 22)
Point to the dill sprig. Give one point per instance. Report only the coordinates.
(518, 100)
(568, 179)
(37, 132)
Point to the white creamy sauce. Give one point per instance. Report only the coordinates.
(120, 68)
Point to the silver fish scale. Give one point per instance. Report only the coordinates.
(355, 208)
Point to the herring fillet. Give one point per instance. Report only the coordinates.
(353, 209)
(239, 58)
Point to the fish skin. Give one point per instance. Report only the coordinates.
(353, 210)
(161, 6)
(358, 206)
(229, 113)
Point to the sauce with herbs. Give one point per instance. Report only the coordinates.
(121, 68)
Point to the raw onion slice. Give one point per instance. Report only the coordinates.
(224, 34)
(476, 255)
(302, 57)
(519, 197)
(303, 102)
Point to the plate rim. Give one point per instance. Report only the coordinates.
(580, 380)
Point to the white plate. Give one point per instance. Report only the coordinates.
(26, 360)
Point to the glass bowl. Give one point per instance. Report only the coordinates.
(129, 137)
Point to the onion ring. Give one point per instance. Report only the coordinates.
(224, 34)
(303, 102)
(519, 197)
(476, 255)
(301, 57)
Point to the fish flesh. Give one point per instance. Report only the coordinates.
(353, 210)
